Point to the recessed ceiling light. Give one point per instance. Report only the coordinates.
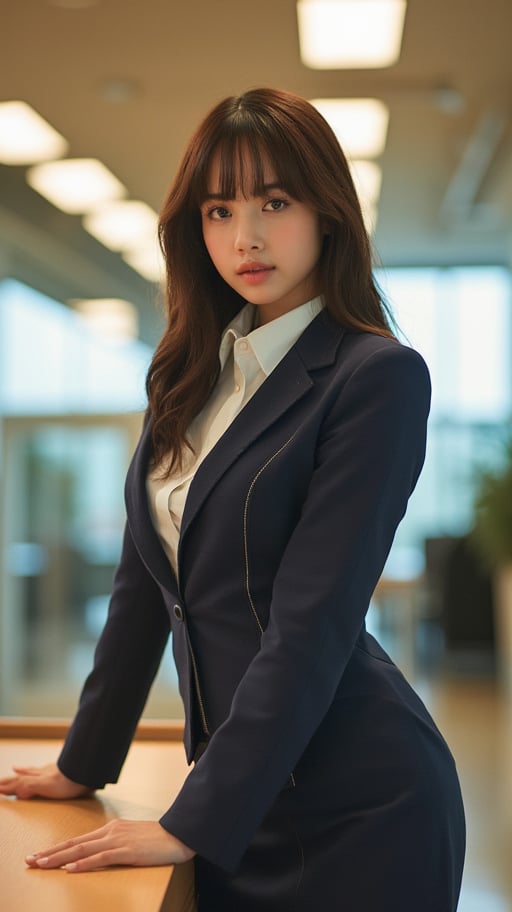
(118, 91)
(448, 100)
(367, 177)
(336, 34)
(360, 124)
(123, 225)
(147, 260)
(370, 216)
(112, 318)
(25, 137)
(75, 185)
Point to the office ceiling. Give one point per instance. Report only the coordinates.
(126, 81)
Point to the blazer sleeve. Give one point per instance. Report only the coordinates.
(126, 660)
(369, 455)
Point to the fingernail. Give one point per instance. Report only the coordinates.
(70, 867)
(30, 858)
(42, 861)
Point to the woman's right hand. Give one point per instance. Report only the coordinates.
(41, 782)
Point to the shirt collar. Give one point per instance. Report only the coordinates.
(270, 342)
(240, 326)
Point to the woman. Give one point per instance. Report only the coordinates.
(284, 435)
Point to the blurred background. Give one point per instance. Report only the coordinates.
(97, 100)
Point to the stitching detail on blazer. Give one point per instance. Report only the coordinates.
(302, 859)
(291, 780)
(372, 656)
(246, 510)
(200, 701)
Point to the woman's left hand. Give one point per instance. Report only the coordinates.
(142, 843)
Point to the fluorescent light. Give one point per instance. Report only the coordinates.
(75, 185)
(337, 34)
(367, 177)
(360, 124)
(25, 137)
(147, 260)
(123, 225)
(112, 318)
(370, 214)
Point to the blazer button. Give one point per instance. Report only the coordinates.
(178, 612)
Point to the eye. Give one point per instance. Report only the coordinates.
(217, 213)
(275, 205)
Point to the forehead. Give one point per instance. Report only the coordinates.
(240, 171)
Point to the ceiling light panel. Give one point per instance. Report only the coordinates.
(111, 318)
(350, 34)
(360, 124)
(147, 260)
(370, 216)
(25, 138)
(367, 177)
(75, 185)
(123, 225)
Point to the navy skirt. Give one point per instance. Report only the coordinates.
(375, 822)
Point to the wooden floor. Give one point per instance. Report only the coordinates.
(476, 719)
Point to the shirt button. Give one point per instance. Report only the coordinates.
(178, 612)
(243, 346)
(237, 388)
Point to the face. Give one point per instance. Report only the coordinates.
(267, 248)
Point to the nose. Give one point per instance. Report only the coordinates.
(248, 234)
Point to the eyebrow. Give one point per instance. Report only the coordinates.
(266, 188)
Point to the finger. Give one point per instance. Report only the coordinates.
(18, 788)
(105, 859)
(8, 784)
(6, 780)
(22, 786)
(73, 854)
(28, 770)
(42, 787)
(15, 786)
(74, 847)
(27, 787)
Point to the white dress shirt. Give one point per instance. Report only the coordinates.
(247, 356)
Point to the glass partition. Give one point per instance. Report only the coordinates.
(63, 517)
(71, 403)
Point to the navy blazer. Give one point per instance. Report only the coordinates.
(286, 529)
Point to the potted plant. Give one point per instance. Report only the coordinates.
(493, 539)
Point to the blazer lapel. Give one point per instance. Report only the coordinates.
(288, 383)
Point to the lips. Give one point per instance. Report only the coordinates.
(253, 268)
(254, 274)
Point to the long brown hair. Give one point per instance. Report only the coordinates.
(261, 126)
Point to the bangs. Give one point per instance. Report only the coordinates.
(245, 167)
